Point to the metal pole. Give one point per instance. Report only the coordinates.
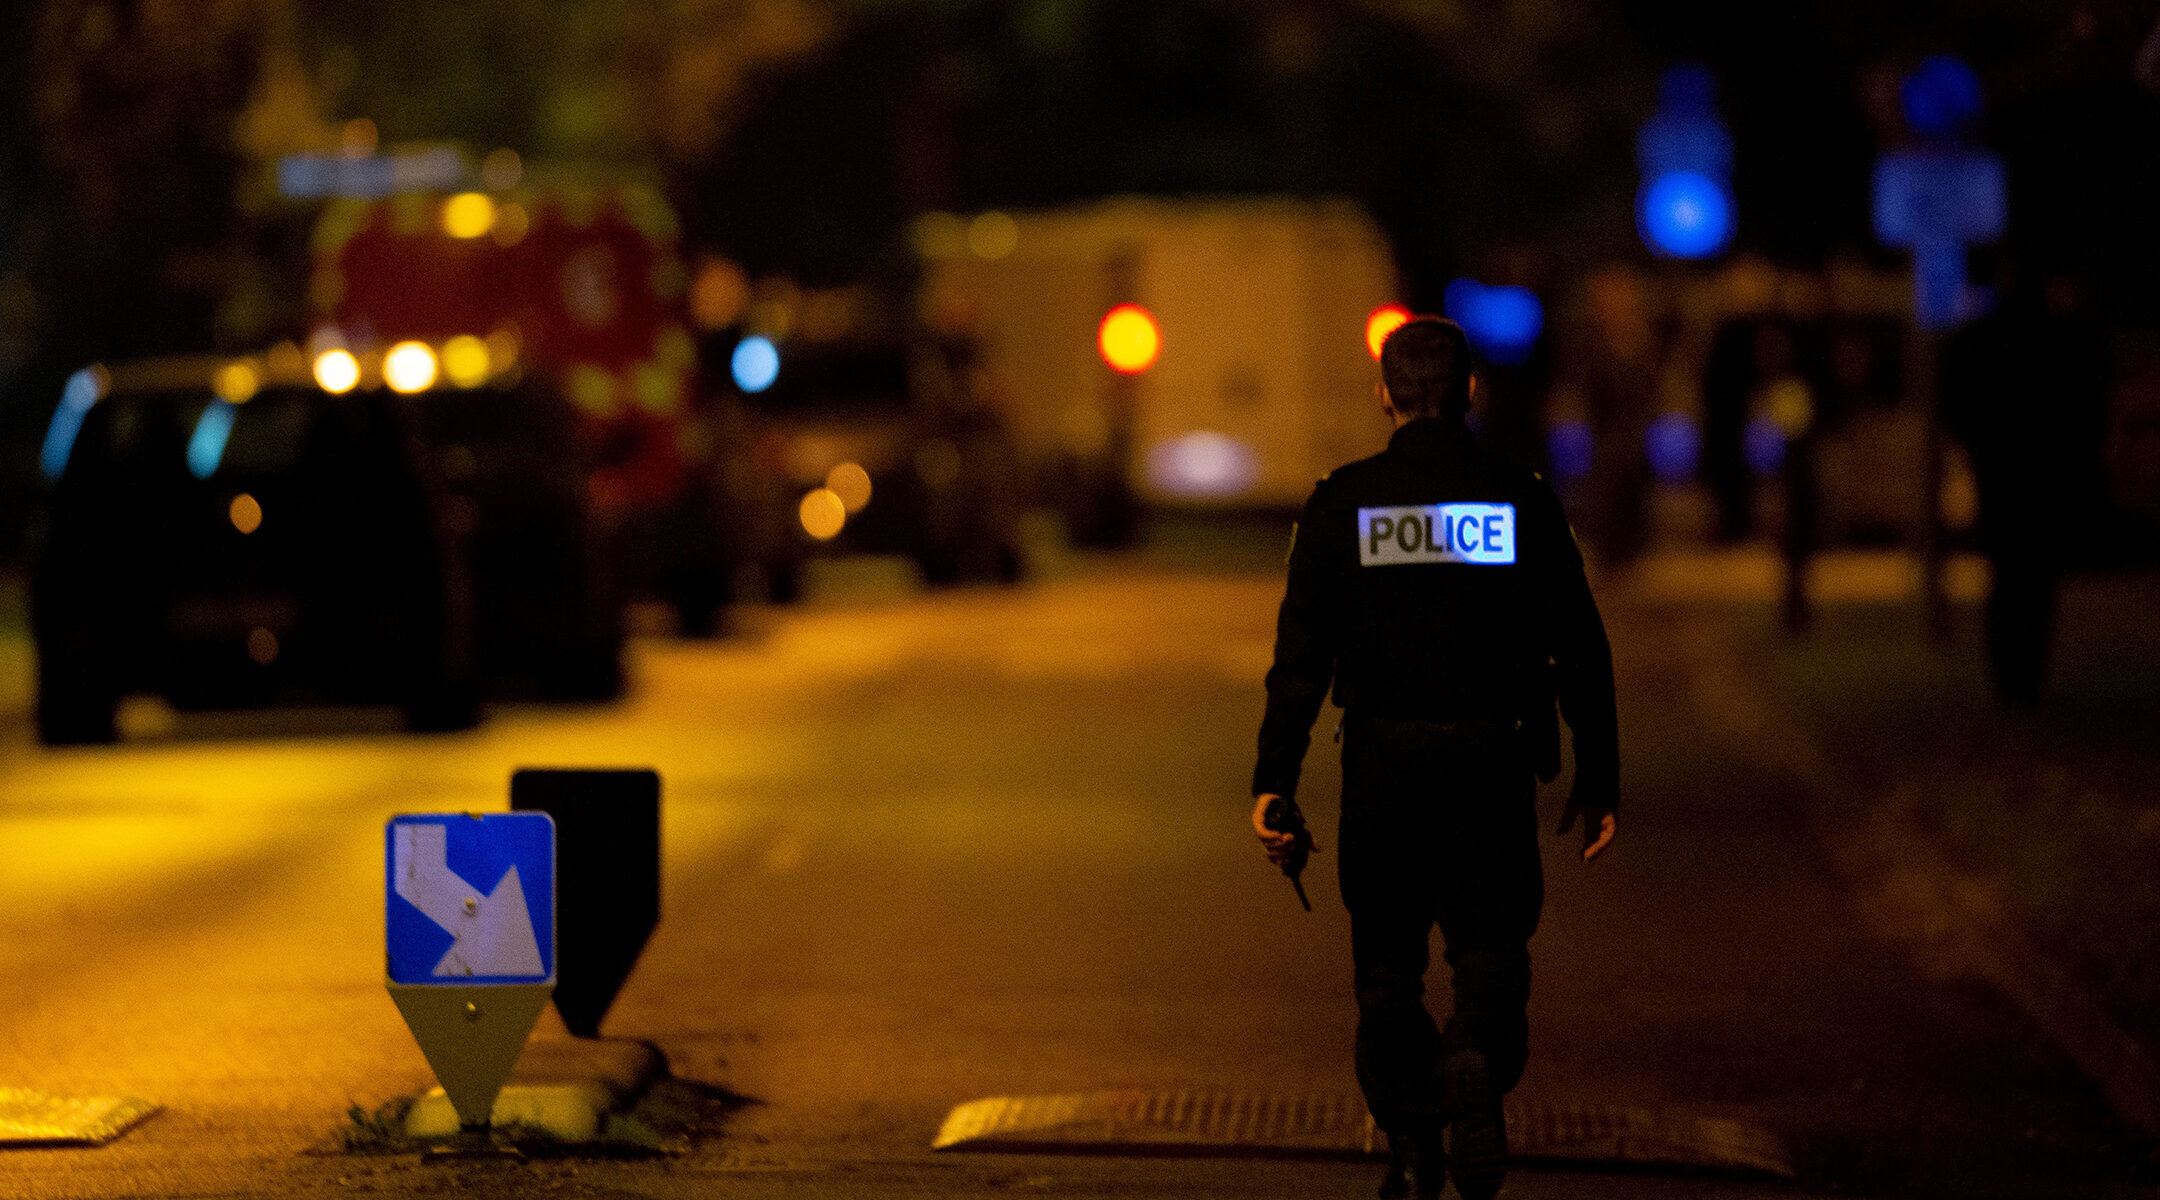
(1921, 371)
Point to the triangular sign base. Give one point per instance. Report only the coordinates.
(472, 1035)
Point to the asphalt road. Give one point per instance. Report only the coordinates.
(922, 849)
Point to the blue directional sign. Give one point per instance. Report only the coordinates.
(1937, 202)
(470, 898)
(1955, 196)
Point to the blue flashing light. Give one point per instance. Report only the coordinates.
(1569, 445)
(755, 363)
(1684, 214)
(1942, 97)
(1673, 446)
(1503, 322)
(206, 446)
(76, 399)
(1763, 445)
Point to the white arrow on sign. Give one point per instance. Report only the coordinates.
(494, 933)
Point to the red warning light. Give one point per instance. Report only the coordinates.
(1129, 339)
(1384, 320)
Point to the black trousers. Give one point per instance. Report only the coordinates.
(1439, 826)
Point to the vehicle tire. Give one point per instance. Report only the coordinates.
(72, 712)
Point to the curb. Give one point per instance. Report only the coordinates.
(1918, 896)
(565, 1087)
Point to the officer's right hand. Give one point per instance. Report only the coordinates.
(1275, 842)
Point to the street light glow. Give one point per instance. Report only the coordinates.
(409, 367)
(468, 215)
(465, 360)
(822, 514)
(1129, 339)
(336, 371)
(1384, 320)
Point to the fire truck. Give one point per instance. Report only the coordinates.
(583, 289)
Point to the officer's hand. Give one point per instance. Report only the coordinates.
(1596, 833)
(1276, 843)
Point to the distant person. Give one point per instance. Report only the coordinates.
(1437, 587)
(2025, 388)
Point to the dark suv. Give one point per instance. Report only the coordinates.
(229, 533)
(934, 472)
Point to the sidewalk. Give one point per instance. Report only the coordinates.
(2058, 807)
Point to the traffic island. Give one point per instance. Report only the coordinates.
(566, 1098)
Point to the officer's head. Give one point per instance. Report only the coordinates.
(1426, 366)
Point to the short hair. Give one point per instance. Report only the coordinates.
(1425, 363)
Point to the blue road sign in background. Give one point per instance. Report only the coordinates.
(470, 898)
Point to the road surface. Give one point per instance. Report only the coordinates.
(925, 848)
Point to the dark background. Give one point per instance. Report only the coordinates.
(137, 137)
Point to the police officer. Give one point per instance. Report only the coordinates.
(1439, 588)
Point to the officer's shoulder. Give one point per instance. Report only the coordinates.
(1351, 473)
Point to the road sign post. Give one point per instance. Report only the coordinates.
(608, 885)
(469, 943)
(1936, 202)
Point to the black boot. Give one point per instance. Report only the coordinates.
(1416, 1167)
(1477, 1132)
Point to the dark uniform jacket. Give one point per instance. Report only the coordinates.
(1416, 590)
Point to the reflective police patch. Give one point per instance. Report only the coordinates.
(1482, 534)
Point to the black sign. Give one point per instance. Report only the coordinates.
(607, 879)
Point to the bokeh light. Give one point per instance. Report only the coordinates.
(206, 446)
(1203, 465)
(1942, 97)
(236, 382)
(465, 360)
(1684, 214)
(822, 513)
(468, 215)
(1763, 445)
(1129, 339)
(1384, 320)
(1673, 446)
(245, 512)
(336, 371)
(1503, 322)
(409, 367)
(993, 235)
(84, 389)
(851, 483)
(755, 363)
(1569, 445)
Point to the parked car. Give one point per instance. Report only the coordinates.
(866, 447)
(247, 532)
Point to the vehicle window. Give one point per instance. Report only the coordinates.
(270, 431)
